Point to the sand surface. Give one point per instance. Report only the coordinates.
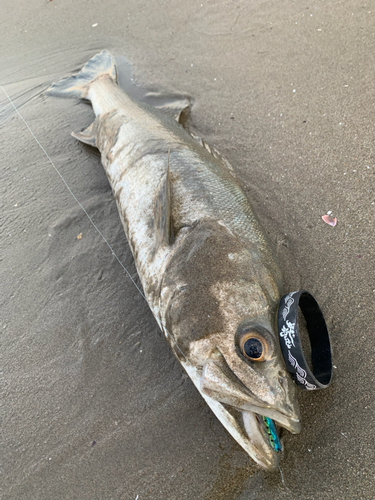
(94, 405)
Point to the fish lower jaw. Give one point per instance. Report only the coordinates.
(266, 456)
(262, 429)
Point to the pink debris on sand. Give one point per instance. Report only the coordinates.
(332, 221)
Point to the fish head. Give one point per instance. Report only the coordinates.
(242, 368)
(221, 298)
(244, 379)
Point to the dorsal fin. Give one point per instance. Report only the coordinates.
(215, 153)
(174, 105)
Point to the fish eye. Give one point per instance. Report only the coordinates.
(253, 346)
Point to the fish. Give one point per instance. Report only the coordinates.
(207, 270)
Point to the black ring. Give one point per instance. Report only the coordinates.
(290, 343)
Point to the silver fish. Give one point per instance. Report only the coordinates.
(206, 269)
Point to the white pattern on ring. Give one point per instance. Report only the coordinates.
(300, 372)
(288, 304)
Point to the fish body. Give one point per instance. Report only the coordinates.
(206, 268)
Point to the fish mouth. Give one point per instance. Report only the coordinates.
(261, 437)
(249, 430)
(251, 422)
(261, 431)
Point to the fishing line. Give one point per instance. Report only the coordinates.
(71, 192)
(282, 478)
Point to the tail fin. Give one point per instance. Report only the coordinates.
(77, 86)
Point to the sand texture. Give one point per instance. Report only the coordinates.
(94, 405)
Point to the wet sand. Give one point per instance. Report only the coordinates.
(94, 405)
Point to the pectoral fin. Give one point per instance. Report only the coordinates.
(88, 135)
(162, 215)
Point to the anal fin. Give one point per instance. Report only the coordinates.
(88, 135)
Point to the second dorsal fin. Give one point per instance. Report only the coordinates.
(215, 153)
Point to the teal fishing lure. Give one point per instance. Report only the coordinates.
(271, 431)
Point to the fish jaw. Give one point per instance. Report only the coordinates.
(220, 383)
(243, 425)
(239, 408)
